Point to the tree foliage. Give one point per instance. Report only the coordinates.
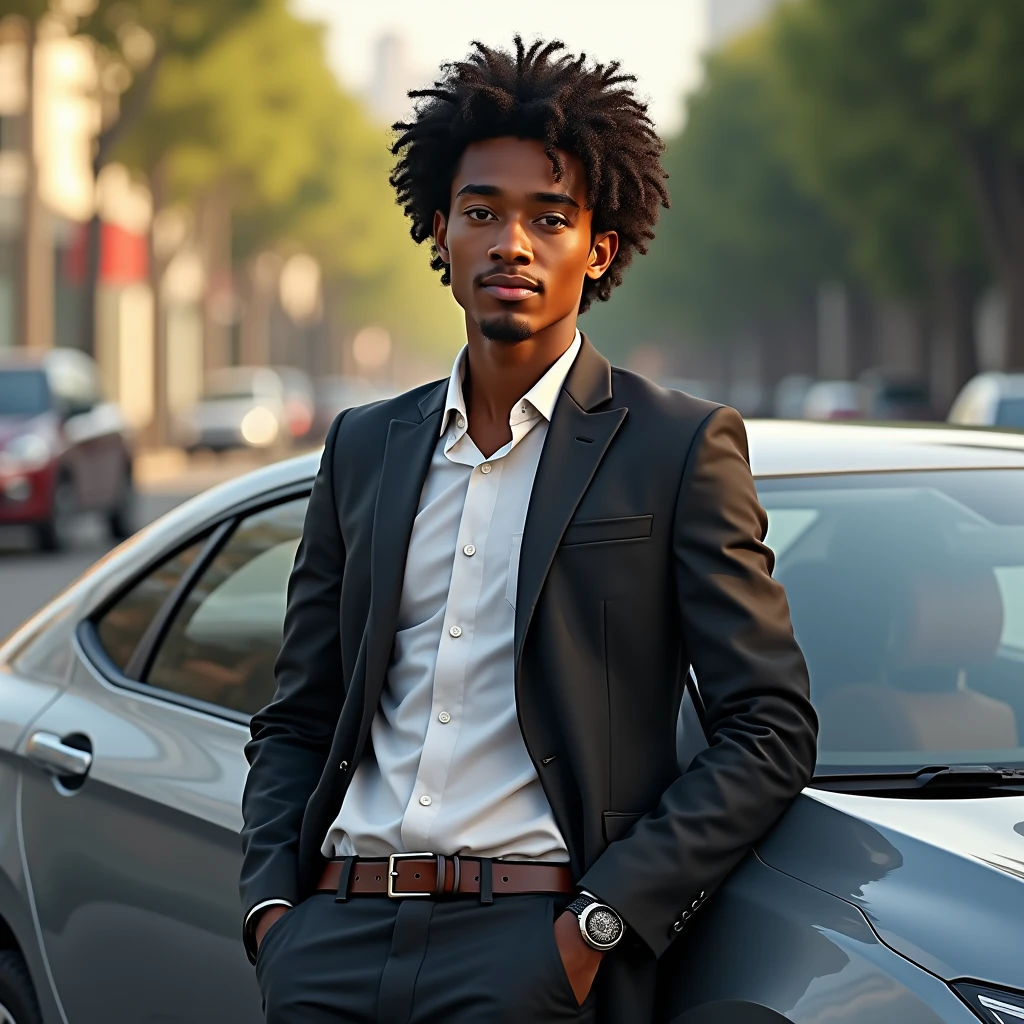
(742, 243)
(259, 115)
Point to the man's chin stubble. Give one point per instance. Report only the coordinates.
(506, 327)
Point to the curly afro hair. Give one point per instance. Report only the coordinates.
(542, 93)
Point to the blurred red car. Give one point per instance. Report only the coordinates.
(63, 449)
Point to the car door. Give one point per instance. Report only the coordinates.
(131, 820)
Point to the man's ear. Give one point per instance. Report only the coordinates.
(606, 245)
(441, 236)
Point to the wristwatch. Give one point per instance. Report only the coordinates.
(600, 926)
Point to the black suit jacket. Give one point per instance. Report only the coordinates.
(642, 554)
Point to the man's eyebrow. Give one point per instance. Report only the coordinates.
(479, 190)
(558, 198)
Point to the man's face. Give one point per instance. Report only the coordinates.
(519, 243)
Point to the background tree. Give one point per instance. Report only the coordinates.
(742, 250)
(863, 139)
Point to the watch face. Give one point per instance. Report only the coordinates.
(603, 926)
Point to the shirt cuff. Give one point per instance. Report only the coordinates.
(261, 906)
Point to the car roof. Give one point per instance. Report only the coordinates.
(777, 448)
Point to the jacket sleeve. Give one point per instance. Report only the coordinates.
(760, 725)
(291, 737)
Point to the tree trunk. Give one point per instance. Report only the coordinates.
(1013, 286)
(955, 357)
(35, 310)
(158, 428)
(105, 143)
(997, 180)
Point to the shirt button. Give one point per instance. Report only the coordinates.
(469, 550)
(425, 801)
(485, 468)
(444, 718)
(461, 422)
(456, 631)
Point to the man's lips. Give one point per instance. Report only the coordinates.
(509, 287)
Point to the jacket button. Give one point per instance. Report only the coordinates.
(695, 904)
(343, 766)
(677, 927)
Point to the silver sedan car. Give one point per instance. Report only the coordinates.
(892, 892)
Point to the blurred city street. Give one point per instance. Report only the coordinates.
(164, 479)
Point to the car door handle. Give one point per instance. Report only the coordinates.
(52, 753)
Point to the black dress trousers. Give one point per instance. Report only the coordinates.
(373, 960)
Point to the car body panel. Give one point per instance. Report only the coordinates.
(135, 872)
(924, 872)
(770, 948)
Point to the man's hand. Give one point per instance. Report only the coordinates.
(580, 960)
(266, 919)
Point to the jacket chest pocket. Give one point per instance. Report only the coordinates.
(603, 531)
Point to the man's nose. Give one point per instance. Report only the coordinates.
(512, 245)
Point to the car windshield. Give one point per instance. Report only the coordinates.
(23, 393)
(1010, 412)
(907, 597)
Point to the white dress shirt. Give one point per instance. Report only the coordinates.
(448, 770)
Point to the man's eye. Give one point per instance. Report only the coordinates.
(479, 214)
(552, 220)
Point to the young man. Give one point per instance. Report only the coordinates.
(466, 789)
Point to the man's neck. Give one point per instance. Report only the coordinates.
(499, 373)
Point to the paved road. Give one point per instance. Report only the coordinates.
(28, 579)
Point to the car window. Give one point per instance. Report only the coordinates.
(907, 598)
(23, 393)
(122, 625)
(1010, 412)
(223, 643)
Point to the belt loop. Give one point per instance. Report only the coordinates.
(343, 882)
(486, 891)
(457, 873)
(439, 880)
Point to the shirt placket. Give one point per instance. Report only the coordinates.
(453, 655)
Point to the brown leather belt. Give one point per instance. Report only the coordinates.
(432, 875)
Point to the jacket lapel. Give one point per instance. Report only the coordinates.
(407, 454)
(577, 441)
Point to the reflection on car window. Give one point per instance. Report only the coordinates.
(907, 598)
(224, 641)
(121, 628)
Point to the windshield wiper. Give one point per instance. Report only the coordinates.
(926, 781)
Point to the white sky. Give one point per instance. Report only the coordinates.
(658, 40)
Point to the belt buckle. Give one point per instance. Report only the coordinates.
(393, 874)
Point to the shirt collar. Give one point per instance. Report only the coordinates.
(542, 396)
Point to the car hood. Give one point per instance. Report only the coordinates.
(941, 881)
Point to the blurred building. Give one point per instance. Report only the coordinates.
(393, 76)
(48, 197)
(728, 18)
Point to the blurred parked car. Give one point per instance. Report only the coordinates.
(241, 407)
(337, 392)
(990, 400)
(891, 892)
(299, 401)
(887, 396)
(63, 449)
(790, 393)
(833, 400)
